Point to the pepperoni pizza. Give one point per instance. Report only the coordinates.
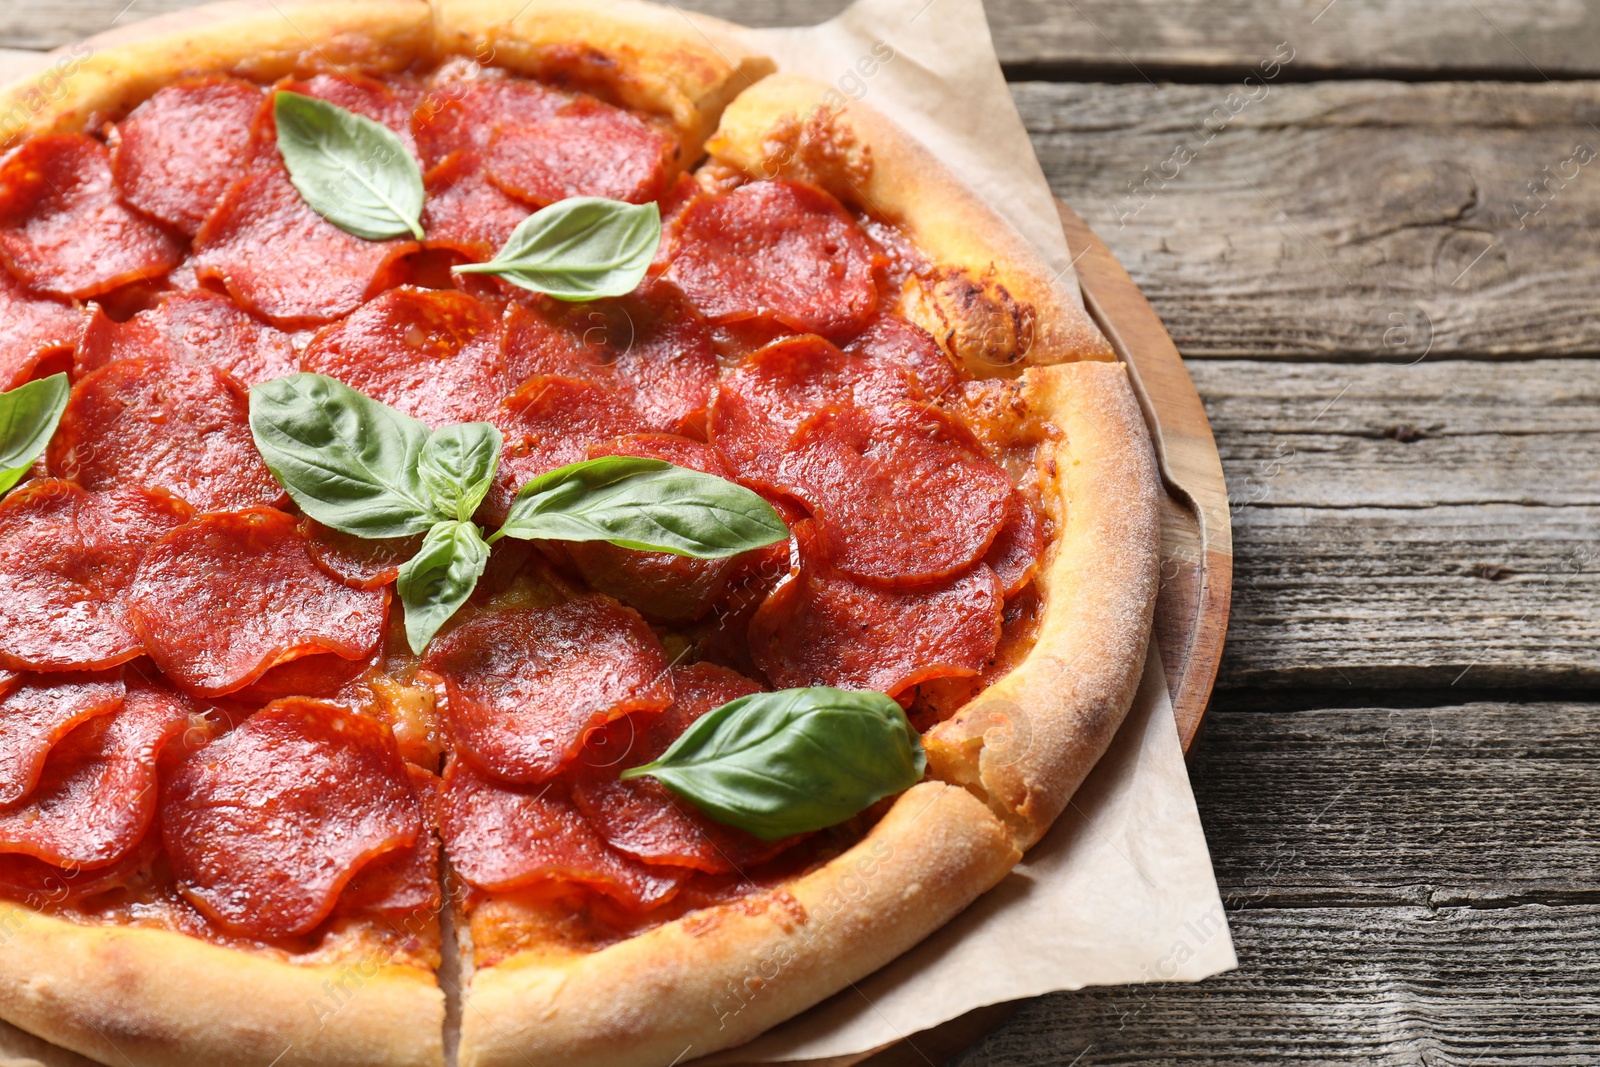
(241, 815)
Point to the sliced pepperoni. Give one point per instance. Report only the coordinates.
(37, 336)
(550, 422)
(41, 710)
(97, 794)
(267, 825)
(640, 817)
(660, 584)
(405, 881)
(321, 674)
(199, 327)
(39, 884)
(891, 344)
(820, 627)
(465, 211)
(1017, 550)
(64, 232)
(776, 250)
(163, 423)
(359, 562)
(903, 495)
(67, 558)
(460, 115)
(178, 152)
(587, 149)
(433, 354)
(651, 345)
(524, 684)
(224, 598)
(283, 261)
(759, 406)
(501, 837)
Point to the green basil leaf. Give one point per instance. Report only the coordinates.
(645, 504)
(582, 248)
(457, 467)
(784, 763)
(350, 170)
(28, 417)
(438, 579)
(347, 460)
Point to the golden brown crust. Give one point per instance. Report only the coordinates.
(990, 298)
(164, 999)
(652, 58)
(262, 42)
(1028, 741)
(719, 977)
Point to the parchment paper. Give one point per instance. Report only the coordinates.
(1121, 890)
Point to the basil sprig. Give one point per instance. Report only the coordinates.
(352, 171)
(789, 762)
(582, 248)
(647, 504)
(362, 467)
(28, 417)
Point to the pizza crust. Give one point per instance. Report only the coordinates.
(163, 999)
(993, 302)
(719, 977)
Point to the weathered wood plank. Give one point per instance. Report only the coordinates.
(1375, 987)
(1404, 887)
(1485, 805)
(1133, 39)
(1367, 220)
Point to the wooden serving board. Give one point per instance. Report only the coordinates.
(1196, 557)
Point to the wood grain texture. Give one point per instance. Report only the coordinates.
(1405, 887)
(1135, 39)
(1360, 220)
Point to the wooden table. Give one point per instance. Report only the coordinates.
(1393, 332)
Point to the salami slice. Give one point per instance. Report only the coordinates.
(895, 347)
(466, 212)
(40, 884)
(283, 261)
(37, 336)
(199, 327)
(97, 794)
(820, 627)
(501, 837)
(587, 149)
(433, 354)
(64, 232)
(267, 825)
(1019, 548)
(67, 558)
(524, 684)
(776, 250)
(359, 562)
(404, 882)
(219, 601)
(759, 407)
(640, 817)
(461, 114)
(178, 152)
(550, 422)
(660, 584)
(902, 496)
(41, 710)
(163, 423)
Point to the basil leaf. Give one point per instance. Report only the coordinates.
(347, 460)
(784, 763)
(645, 504)
(457, 467)
(582, 248)
(438, 579)
(28, 417)
(350, 170)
